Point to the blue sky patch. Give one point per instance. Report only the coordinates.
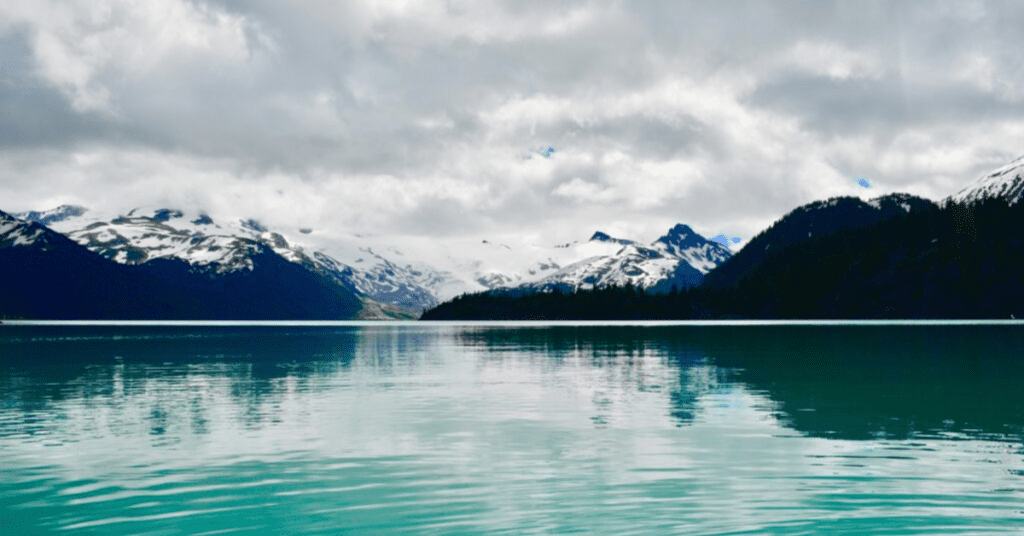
(725, 240)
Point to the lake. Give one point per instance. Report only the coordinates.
(419, 428)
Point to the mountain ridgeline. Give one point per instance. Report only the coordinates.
(45, 275)
(893, 257)
(395, 277)
(817, 219)
(391, 282)
(679, 259)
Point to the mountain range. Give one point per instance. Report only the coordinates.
(162, 248)
(400, 279)
(44, 274)
(895, 256)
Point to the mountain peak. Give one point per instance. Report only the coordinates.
(700, 253)
(254, 225)
(604, 237)
(682, 236)
(680, 230)
(902, 201)
(46, 217)
(1006, 182)
(17, 232)
(203, 219)
(165, 214)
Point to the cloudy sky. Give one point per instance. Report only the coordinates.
(435, 117)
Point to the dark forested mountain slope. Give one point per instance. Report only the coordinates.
(961, 261)
(818, 219)
(45, 275)
(964, 260)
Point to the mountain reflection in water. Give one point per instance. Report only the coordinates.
(844, 382)
(518, 429)
(849, 382)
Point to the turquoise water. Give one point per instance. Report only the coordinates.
(512, 429)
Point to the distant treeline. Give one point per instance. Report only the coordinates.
(957, 261)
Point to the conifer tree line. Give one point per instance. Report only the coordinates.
(958, 261)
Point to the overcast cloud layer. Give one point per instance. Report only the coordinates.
(432, 117)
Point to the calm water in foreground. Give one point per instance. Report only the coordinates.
(442, 429)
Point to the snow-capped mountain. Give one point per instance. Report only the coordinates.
(1006, 183)
(220, 247)
(139, 237)
(679, 259)
(411, 272)
(697, 251)
(604, 237)
(438, 269)
(408, 272)
(15, 232)
(48, 217)
(46, 275)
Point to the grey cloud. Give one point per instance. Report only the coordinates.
(436, 216)
(837, 107)
(36, 116)
(742, 33)
(641, 136)
(658, 139)
(879, 107)
(327, 87)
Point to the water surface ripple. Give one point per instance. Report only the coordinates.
(529, 429)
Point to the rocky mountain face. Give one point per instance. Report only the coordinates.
(15, 232)
(679, 259)
(407, 276)
(44, 274)
(206, 245)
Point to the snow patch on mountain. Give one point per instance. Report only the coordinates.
(1006, 182)
(143, 235)
(699, 252)
(679, 259)
(49, 217)
(409, 271)
(15, 232)
(445, 268)
(225, 245)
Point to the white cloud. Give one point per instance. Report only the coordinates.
(579, 190)
(409, 117)
(437, 21)
(989, 75)
(83, 48)
(831, 59)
